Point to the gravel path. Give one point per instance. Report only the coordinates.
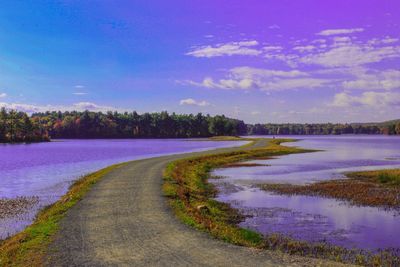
(125, 221)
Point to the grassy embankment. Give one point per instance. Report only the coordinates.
(191, 197)
(28, 248)
(369, 188)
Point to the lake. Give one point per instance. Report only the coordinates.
(309, 218)
(46, 170)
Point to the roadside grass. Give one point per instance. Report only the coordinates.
(191, 197)
(28, 248)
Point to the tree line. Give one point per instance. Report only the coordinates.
(133, 125)
(20, 127)
(323, 129)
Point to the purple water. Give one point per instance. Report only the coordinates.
(315, 218)
(46, 170)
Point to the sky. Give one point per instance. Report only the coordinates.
(255, 60)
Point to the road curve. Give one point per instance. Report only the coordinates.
(125, 221)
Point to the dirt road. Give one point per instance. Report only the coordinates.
(125, 221)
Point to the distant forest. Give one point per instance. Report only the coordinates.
(132, 125)
(388, 128)
(19, 127)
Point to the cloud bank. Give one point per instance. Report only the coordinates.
(192, 102)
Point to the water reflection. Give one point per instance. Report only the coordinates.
(47, 169)
(316, 218)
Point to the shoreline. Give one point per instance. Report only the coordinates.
(54, 239)
(143, 230)
(50, 177)
(191, 196)
(30, 247)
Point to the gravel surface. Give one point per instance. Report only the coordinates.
(125, 221)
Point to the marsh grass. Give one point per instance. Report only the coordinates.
(362, 193)
(390, 177)
(10, 207)
(379, 188)
(28, 247)
(191, 197)
(244, 164)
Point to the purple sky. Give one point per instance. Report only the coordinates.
(260, 61)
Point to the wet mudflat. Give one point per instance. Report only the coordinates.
(313, 218)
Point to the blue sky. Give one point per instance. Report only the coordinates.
(260, 61)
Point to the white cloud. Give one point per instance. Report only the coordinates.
(228, 49)
(274, 27)
(318, 41)
(351, 55)
(192, 102)
(272, 48)
(24, 107)
(335, 60)
(290, 59)
(79, 93)
(389, 40)
(306, 48)
(341, 41)
(299, 83)
(252, 72)
(228, 84)
(3, 95)
(91, 106)
(339, 31)
(374, 80)
(245, 78)
(81, 106)
(254, 113)
(79, 86)
(371, 99)
(337, 51)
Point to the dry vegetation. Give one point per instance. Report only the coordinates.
(244, 164)
(370, 188)
(191, 195)
(10, 207)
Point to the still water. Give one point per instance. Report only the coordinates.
(316, 219)
(46, 170)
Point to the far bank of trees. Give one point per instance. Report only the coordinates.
(133, 125)
(19, 127)
(323, 129)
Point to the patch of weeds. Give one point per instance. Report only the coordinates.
(389, 178)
